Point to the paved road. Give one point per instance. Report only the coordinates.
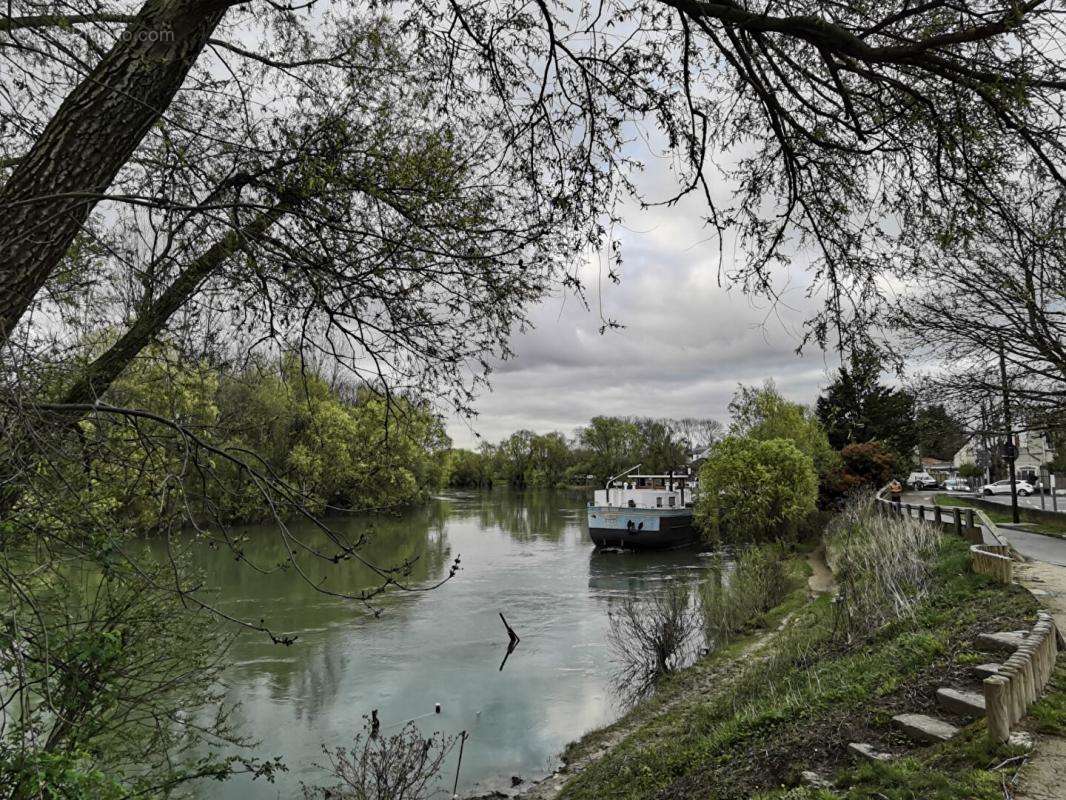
(1034, 546)
(1033, 501)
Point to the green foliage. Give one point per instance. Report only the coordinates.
(760, 581)
(765, 712)
(1049, 712)
(337, 447)
(603, 448)
(970, 470)
(55, 776)
(939, 433)
(857, 408)
(762, 413)
(753, 490)
(117, 688)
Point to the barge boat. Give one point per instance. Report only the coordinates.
(636, 512)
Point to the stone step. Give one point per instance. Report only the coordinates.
(814, 780)
(1007, 641)
(986, 670)
(921, 728)
(960, 701)
(867, 751)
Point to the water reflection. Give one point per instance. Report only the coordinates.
(527, 556)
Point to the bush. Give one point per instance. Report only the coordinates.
(883, 565)
(759, 582)
(651, 637)
(403, 766)
(756, 490)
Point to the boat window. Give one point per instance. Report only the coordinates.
(673, 501)
(659, 502)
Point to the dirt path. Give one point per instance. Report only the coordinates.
(1044, 777)
(821, 579)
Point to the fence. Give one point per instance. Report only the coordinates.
(1019, 681)
(991, 558)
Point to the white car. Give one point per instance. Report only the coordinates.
(922, 480)
(956, 485)
(1003, 487)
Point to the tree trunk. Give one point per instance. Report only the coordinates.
(94, 132)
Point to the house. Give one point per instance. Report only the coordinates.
(938, 467)
(1033, 452)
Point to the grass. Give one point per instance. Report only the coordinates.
(752, 724)
(1049, 713)
(997, 516)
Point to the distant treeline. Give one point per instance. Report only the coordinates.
(334, 445)
(601, 449)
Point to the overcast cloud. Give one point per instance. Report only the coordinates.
(686, 344)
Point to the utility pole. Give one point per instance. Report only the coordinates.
(1010, 451)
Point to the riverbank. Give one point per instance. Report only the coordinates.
(770, 715)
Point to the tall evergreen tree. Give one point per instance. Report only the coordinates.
(856, 407)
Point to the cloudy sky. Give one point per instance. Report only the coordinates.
(686, 344)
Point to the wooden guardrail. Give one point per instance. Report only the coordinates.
(1021, 678)
(986, 558)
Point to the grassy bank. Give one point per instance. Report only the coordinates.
(1004, 515)
(743, 724)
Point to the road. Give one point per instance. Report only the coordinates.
(1033, 501)
(1033, 546)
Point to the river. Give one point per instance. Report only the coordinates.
(526, 555)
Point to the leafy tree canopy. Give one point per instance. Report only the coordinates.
(756, 489)
(762, 413)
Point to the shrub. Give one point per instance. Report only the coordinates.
(759, 582)
(883, 565)
(403, 766)
(756, 490)
(651, 637)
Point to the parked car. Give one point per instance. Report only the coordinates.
(957, 485)
(1003, 487)
(922, 480)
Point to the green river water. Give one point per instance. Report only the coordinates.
(526, 555)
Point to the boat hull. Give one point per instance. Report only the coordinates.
(641, 528)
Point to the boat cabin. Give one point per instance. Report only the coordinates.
(648, 491)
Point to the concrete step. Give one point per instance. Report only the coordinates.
(867, 751)
(922, 728)
(1007, 641)
(961, 702)
(815, 780)
(983, 671)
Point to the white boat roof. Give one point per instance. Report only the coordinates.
(675, 475)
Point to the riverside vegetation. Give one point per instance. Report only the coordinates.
(806, 678)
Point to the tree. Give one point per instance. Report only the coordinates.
(662, 449)
(857, 408)
(863, 467)
(880, 92)
(763, 414)
(756, 489)
(940, 434)
(980, 286)
(466, 470)
(610, 445)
